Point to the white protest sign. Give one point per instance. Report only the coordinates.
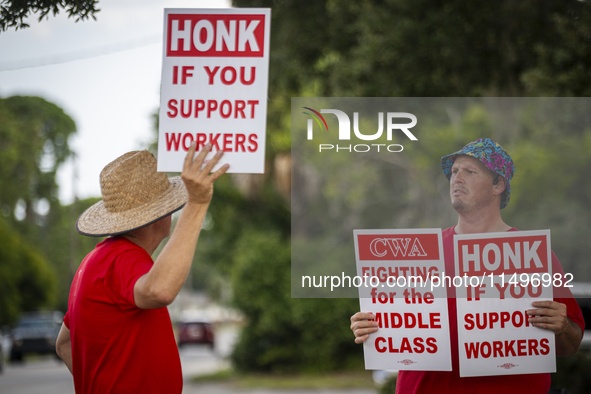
(503, 274)
(396, 267)
(214, 86)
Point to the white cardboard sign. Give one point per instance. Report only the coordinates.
(214, 86)
(413, 317)
(503, 273)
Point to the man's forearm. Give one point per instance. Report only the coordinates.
(569, 341)
(160, 286)
(66, 356)
(63, 346)
(163, 282)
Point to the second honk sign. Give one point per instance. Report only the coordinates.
(214, 86)
(505, 273)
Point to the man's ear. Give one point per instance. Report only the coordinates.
(500, 185)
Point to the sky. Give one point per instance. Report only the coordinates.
(104, 74)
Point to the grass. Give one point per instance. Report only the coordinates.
(288, 381)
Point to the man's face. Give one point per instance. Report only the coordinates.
(471, 185)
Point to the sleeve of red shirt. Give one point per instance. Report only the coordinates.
(67, 320)
(129, 266)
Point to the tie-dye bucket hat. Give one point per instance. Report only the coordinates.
(492, 155)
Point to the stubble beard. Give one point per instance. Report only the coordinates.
(463, 207)
(460, 206)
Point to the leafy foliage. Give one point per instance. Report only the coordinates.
(426, 48)
(33, 144)
(285, 334)
(14, 12)
(27, 282)
(63, 247)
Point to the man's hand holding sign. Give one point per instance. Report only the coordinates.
(552, 315)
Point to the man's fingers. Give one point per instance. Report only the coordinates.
(362, 324)
(211, 163)
(541, 312)
(361, 339)
(544, 304)
(361, 334)
(189, 158)
(362, 316)
(549, 315)
(222, 170)
(198, 161)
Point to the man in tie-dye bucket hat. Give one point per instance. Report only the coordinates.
(480, 177)
(493, 157)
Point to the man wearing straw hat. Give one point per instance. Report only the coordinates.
(117, 335)
(480, 175)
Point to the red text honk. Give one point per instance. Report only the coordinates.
(503, 256)
(215, 35)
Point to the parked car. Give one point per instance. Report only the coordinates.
(35, 332)
(195, 331)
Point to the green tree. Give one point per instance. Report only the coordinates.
(285, 334)
(14, 12)
(33, 144)
(421, 48)
(63, 246)
(27, 282)
(562, 66)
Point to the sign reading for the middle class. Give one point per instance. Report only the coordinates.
(397, 268)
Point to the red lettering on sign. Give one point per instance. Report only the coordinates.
(417, 345)
(225, 108)
(503, 255)
(227, 142)
(172, 141)
(492, 320)
(253, 143)
(496, 349)
(215, 35)
(398, 246)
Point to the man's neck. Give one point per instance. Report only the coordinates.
(144, 239)
(481, 222)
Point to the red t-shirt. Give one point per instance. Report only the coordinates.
(116, 346)
(450, 382)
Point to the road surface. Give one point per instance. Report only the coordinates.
(48, 375)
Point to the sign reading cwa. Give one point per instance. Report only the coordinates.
(397, 246)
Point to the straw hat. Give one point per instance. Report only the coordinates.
(134, 195)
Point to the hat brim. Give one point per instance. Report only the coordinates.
(96, 221)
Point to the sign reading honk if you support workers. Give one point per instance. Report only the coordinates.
(412, 314)
(214, 86)
(504, 273)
